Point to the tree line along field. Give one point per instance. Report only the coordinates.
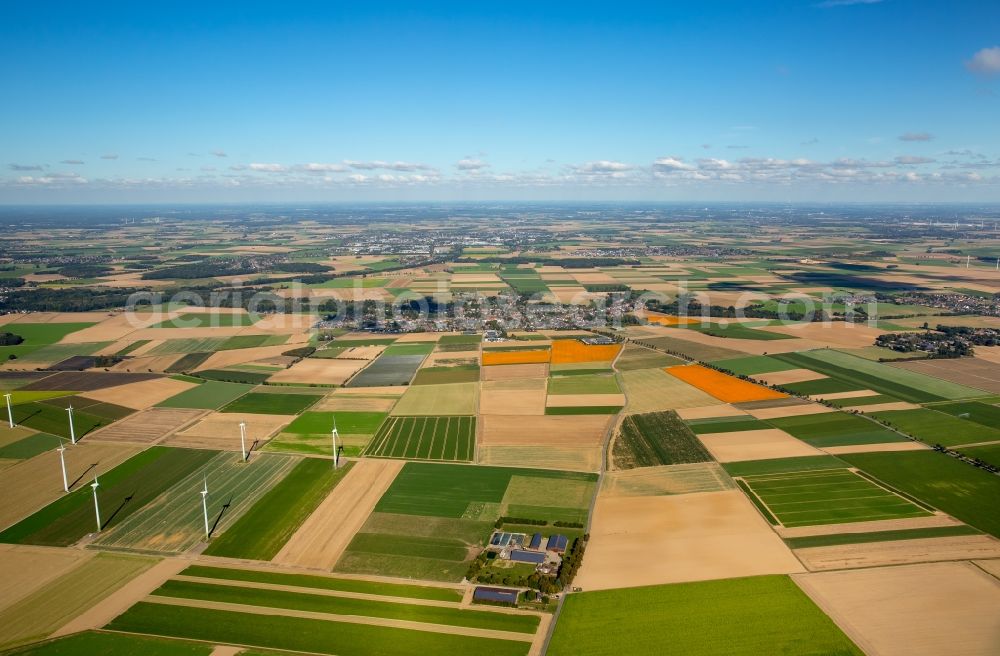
(425, 438)
(828, 497)
(656, 438)
(123, 491)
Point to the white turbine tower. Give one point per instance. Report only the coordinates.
(204, 505)
(334, 434)
(72, 431)
(243, 440)
(97, 507)
(62, 461)
(10, 413)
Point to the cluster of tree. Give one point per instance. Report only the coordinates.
(566, 263)
(299, 267)
(84, 270)
(77, 299)
(757, 311)
(942, 342)
(103, 361)
(481, 573)
(520, 520)
(10, 339)
(562, 524)
(301, 352)
(205, 269)
(571, 562)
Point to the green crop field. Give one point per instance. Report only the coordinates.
(824, 386)
(425, 438)
(327, 583)
(60, 352)
(726, 425)
(53, 419)
(350, 283)
(173, 522)
(252, 341)
(188, 345)
(188, 361)
(29, 447)
(783, 465)
(265, 528)
(235, 376)
(835, 429)
(636, 357)
(302, 601)
(37, 335)
(430, 400)
(308, 635)
(975, 411)
(271, 404)
(987, 453)
(963, 491)
(880, 536)
(736, 331)
(935, 427)
(828, 497)
(468, 373)
(207, 396)
(321, 423)
(123, 491)
(584, 384)
(92, 643)
(583, 410)
(418, 348)
(207, 320)
(461, 339)
(753, 364)
(893, 381)
(656, 438)
(759, 615)
(100, 409)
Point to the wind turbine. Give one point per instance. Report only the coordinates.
(243, 440)
(72, 432)
(204, 505)
(334, 434)
(62, 461)
(97, 507)
(10, 413)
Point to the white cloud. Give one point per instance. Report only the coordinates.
(985, 62)
(391, 166)
(471, 164)
(671, 164)
(268, 168)
(316, 167)
(910, 160)
(603, 166)
(109, 156)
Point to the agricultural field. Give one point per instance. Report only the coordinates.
(656, 438)
(827, 497)
(432, 515)
(766, 615)
(443, 399)
(388, 370)
(207, 396)
(271, 403)
(835, 429)
(722, 386)
(309, 433)
(933, 427)
(447, 438)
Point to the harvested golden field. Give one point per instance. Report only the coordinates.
(446, 399)
(221, 430)
(338, 402)
(26, 568)
(547, 430)
(924, 599)
(652, 390)
(37, 615)
(928, 521)
(228, 358)
(796, 410)
(583, 459)
(157, 363)
(513, 397)
(452, 358)
(322, 538)
(899, 552)
(147, 426)
(854, 394)
(516, 372)
(695, 537)
(493, 358)
(756, 445)
(584, 400)
(323, 371)
(566, 351)
(37, 482)
(143, 394)
(361, 352)
(834, 333)
(666, 479)
(868, 448)
(879, 407)
(724, 387)
(390, 390)
(975, 372)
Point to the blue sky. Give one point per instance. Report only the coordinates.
(830, 101)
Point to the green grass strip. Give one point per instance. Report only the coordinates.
(758, 503)
(326, 583)
(880, 536)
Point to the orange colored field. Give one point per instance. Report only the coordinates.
(722, 386)
(570, 350)
(669, 320)
(515, 357)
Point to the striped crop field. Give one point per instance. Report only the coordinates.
(828, 496)
(425, 438)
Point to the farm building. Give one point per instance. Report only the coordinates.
(533, 557)
(536, 541)
(503, 540)
(557, 543)
(597, 341)
(495, 595)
